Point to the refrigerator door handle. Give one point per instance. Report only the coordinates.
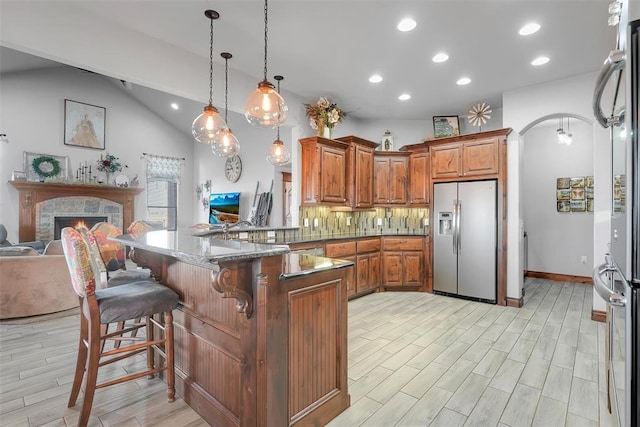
(454, 226)
(615, 61)
(458, 233)
(603, 290)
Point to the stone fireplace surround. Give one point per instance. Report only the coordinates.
(40, 202)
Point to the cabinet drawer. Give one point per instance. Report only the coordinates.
(369, 245)
(335, 250)
(403, 244)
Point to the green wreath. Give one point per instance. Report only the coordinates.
(52, 170)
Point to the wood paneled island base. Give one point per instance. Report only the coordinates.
(258, 341)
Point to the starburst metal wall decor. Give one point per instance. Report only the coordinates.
(479, 114)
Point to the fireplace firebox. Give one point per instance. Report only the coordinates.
(75, 222)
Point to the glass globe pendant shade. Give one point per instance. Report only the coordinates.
(265, 107)
(225, 143)
(278, 154)
(206, 125)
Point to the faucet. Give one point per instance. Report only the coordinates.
(227, 226)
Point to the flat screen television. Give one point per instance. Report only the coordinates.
(224, 207)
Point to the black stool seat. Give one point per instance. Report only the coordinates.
(134, 300)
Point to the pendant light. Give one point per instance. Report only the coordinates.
(225, 143)
(206, 125)
(265, 107)
(278, 153)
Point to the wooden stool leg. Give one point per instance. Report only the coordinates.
(81, 362)
(93, 360)
(168, 351)
(150, 354)
(119, 327)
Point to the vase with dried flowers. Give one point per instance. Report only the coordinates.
(324, 114)
(109, 164)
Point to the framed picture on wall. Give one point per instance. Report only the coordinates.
(564, 206)
(578, 205)
(563, 183)
(84, 125)
(444, 126)
(45, 167)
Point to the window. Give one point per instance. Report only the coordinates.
(163, 177)
(162, 203)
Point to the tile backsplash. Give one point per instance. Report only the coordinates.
(321, 220)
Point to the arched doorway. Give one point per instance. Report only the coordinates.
(557, 195)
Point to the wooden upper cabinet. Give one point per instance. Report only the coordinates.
(324, 171)
(419, 179)
(467, 158)
(391, 178)
(332, 175)
(359, 171)
(446, 161)
(480, 157)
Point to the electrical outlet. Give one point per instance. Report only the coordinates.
(315, 222)
(305, 222)
(348, 220)
(426, 222)
(271, 234)
(583, 259)
(243, 235)
(379, 222)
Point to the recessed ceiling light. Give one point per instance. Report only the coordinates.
(463, 81)
(540, 60)
(529, 29)
(407, 24)
(440, 57)
(376, 78)
(175, 106)
(404, 97)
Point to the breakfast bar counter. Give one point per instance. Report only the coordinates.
(260, 333)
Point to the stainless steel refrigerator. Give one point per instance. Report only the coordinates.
(617, 281)
(465, 239)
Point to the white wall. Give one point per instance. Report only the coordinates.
(254, 145)
(407, 132)
(556, 241)
(523, 107)
(32, 113)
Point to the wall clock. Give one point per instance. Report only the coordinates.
(233, 168)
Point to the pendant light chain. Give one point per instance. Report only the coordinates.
(211, 63)
(278, 131)
(226, 87)
(266, 21)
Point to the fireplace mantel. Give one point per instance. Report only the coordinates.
(31, 193)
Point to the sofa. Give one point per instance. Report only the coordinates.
(38, 245)
(32, 284)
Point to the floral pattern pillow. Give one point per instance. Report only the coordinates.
(80, 262)
(112, 253)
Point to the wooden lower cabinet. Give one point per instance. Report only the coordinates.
(368, 265)
(403, 262)
(344, 249)
(365, 254)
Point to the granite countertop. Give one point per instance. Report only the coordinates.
(184, 246)
(296, 265)
(218, 229)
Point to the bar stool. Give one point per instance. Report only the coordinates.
(99, 306)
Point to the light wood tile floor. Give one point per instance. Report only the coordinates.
(414, 360)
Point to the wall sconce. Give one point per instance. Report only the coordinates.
(3, 138)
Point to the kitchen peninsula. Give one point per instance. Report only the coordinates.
(260, 333)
